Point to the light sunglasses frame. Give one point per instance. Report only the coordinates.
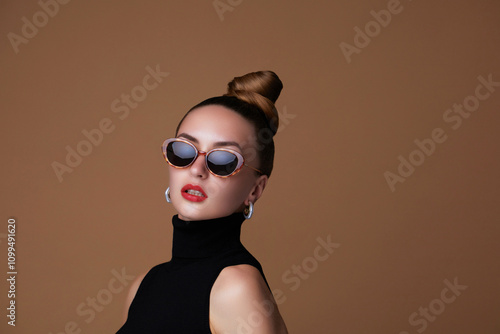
(241, 159)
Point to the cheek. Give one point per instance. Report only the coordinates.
(175, 179)
(220, 190)
(233, 190)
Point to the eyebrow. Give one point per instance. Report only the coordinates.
(216, 144)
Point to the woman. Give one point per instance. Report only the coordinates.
(219, 162)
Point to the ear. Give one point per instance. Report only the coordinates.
(257, 189)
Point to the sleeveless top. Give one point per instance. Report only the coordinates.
(174, 297)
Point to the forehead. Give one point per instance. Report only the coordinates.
(216, 123)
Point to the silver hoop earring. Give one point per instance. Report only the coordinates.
(248, 212)
(167, 195)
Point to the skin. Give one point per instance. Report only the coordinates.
(205, 127)
(240, 301)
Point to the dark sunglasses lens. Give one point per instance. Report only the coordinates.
(180, 154)
(222, 163)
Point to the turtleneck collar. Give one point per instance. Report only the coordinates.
(205, 238)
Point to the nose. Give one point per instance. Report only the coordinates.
(199, 167)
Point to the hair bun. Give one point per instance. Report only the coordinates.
(260, 89)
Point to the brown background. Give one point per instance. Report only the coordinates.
(351, 122)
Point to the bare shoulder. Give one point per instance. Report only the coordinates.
(241, 278)
(134, 286)
(241, 301)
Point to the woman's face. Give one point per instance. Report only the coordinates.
(210, 127)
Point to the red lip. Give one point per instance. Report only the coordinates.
(193, 197)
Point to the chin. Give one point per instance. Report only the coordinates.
(188, 212)
(200, 214)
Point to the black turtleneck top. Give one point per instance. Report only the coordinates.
(174, 297)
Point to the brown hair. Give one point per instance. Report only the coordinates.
(253, 96)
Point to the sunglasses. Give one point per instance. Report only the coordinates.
(221, 162)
